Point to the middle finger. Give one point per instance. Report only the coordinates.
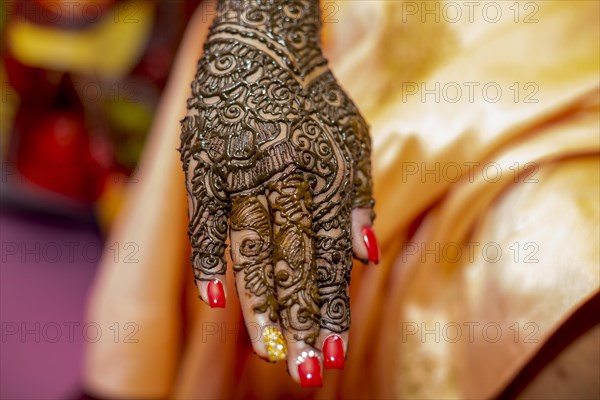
(290, 202)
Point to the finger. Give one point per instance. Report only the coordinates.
(207, 210)
(251, 251)
(364, 241)
(363, 238)
(290, 202)
(363, 182)
(333, 255)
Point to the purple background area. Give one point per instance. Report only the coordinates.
(47, 268)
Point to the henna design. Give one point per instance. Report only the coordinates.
(208, 208)
(267, 117)
(336, 110)
(290, 201)
(289, 29)
(248, 213)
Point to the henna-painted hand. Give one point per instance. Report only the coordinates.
(272, 145)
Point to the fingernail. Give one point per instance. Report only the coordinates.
(274, 344)
(333, 352)
(309, 370)
(216, 296)
(371, 244)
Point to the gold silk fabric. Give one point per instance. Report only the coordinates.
(486, 170)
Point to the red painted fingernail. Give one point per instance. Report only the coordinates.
(216, 296)
(310, 371)
(333, 352)
(371, 244)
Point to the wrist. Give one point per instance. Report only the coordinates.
(291, 31)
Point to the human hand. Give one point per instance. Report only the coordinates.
(273, 148)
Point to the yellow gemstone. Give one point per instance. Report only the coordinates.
(274, 343)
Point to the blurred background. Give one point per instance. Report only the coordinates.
(485, 126)
(80, 84)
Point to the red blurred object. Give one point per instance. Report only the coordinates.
(56, 155)
(29, 81)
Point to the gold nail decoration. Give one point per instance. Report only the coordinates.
(274, 343)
